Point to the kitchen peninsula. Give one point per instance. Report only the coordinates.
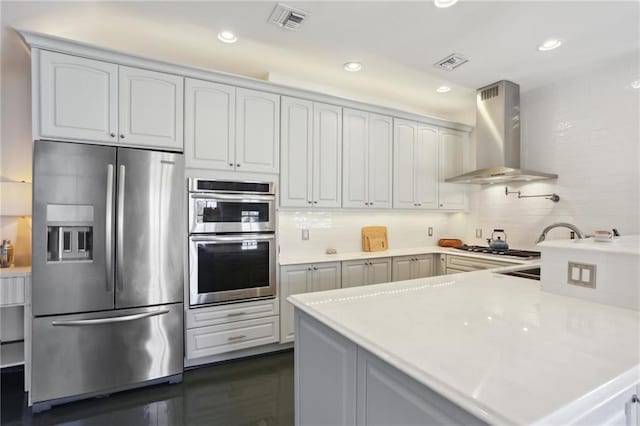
(471, 348)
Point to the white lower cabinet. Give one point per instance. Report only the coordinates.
(306, 278)
(217, 329)
(365, 272)
(232, 336)
(455, 264)
(412, 267)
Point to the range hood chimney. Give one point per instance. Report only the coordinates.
(498, 138)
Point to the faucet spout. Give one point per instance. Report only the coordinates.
(570, 226)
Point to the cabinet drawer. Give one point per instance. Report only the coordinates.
(472, 264)
(202, 317)
(217, 339)
(12, 291)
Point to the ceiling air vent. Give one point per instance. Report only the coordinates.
(451, 62)
(287, 17)
(489, 92)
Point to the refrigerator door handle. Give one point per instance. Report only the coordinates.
(109, 320)
(108, 241)
(120, 229)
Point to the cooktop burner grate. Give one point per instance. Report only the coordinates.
(526, 254)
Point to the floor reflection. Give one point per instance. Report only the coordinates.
(249, 392)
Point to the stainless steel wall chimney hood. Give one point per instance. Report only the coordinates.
(498, 138)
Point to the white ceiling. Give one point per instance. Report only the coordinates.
(397, 42)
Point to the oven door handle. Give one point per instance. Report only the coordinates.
(242, 198)
(232, 238)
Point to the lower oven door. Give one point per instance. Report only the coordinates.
(225, 268)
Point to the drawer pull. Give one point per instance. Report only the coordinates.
(236, 337)
(235, 314)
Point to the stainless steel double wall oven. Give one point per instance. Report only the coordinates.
(232, 245)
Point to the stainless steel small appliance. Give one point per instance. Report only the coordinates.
(232, 243)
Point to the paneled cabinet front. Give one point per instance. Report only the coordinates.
(85, 100)
(412, 267)
(311, 154)
(365, 272)
(367, 160)
(228, 128)
(307, 278)
(453, 162)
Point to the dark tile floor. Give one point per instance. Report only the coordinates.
(254, 391)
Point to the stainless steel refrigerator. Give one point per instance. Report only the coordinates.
(107, 285)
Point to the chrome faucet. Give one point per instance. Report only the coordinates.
(543, 236)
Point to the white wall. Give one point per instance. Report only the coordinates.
(586, 128)
(341, 229)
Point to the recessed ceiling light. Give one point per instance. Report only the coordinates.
(550, 44)
(353, 66)
(443, 89)
(227, 37)
(444, 3)
(635, 84)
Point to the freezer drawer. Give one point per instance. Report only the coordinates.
(106, 351)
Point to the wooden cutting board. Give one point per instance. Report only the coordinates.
(374, 238)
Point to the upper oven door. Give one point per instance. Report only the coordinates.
(221, 213)
(231, 267)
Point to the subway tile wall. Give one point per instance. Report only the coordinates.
(585, 128)
(341, 229)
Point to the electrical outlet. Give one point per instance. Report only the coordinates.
(478, 232)
(581, 274)
(305, 234)
(430, 231)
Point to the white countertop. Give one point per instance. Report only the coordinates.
(627, 244)
(15, 270)
(339, 257)
(493, 344)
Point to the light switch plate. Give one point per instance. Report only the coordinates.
(478, 232)
(305, 234)
(430, 231)
(581, 274)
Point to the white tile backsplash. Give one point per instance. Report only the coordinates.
(341, 229)
(585, 128)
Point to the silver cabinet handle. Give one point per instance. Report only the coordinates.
(315, 269)
(108, 229)
(109, 320)
(236, 337)
(113, 135)
(120, 228)
(309, 268)
(121, 135)
(315, 202)
(230, 164)
(236, 314)
(632, 411)
(370, 204)
(238, 165)
(310, 202)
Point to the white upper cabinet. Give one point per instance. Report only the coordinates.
(367, 160)
(311, 154)
(327, 155)
(78, 98)
(426, 167)
(404, 164)
(453, 162)
(257, 131)
(209, 114)
(150, 108)
(297, 136)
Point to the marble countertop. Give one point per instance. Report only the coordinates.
(15, 270)
(339, 257)
(495, 345)
(627, 244)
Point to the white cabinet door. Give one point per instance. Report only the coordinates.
(78, 98)
(257, 131)
(297, 134)
(402, 268)
(379, 271)
(325, 276)
(453, 156)
(426, 167)
(405, 134)
(423, 266)
(355, 170)
(150, 108)
(294, 279)
(327, 155)
(380, 161)
(354, 273)
(209, 113)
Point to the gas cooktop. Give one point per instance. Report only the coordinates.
(524, 254)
